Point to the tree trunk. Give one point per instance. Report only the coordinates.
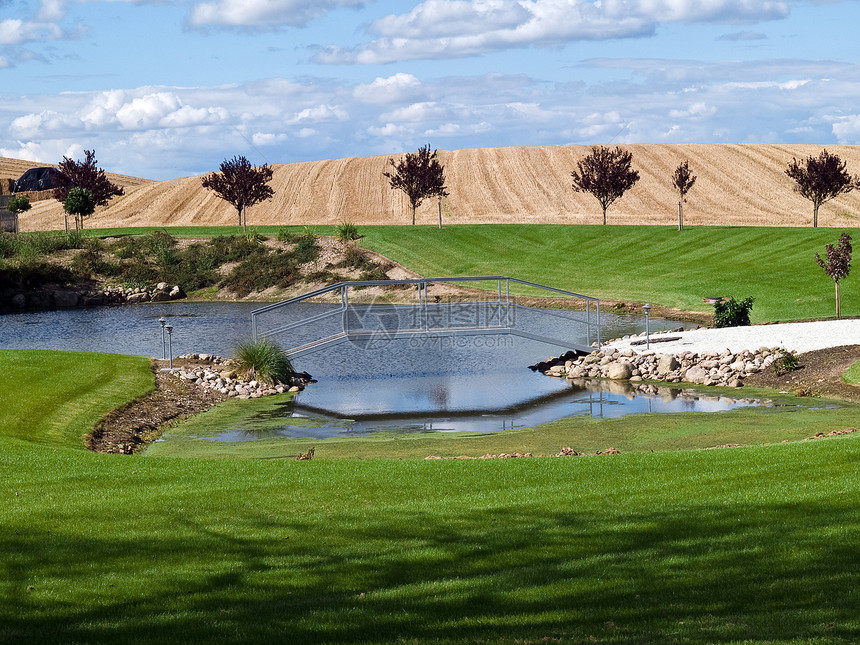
(837, 301)
(413, 214)
(815, 216)
(680, 218)
(66, 219)
(604, 215)
(440, 212)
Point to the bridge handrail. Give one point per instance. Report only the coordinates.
(376, 283)
(343, 307)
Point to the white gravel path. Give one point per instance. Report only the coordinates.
(801, 337)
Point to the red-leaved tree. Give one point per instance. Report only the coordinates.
(87, 175)
(606, 174)
(240, 184)
(683, 180)
(820, 179)
(419, 176)
(837, 263)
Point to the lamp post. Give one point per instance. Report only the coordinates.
(647, 309)
(163, 321)
(169, 329)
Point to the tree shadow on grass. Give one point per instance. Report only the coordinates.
(755, 572)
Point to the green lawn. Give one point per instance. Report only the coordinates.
(744, 545)
(747, 545)
(753, 544)
(637, 263)
(653, 264)
(55, 398)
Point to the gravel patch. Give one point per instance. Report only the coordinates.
(800, 337)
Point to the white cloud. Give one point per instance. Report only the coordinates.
(31, 126)
(698, 110)
(458, 130)
(320, 113)
(51, 11)
(387, 130)
(267, 138)
(847, 129)
(15, 31)
(417, 113)
(265, 14)
(169, 131)
(437, 29)
(44, 152)
(147, 111)
(388, 90)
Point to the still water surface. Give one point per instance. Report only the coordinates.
(432, 382)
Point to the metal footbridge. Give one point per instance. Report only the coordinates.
(372, 313)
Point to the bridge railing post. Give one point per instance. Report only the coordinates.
(344, 303)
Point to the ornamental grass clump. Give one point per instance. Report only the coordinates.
(263, 360)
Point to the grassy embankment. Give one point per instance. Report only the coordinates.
(653, 264)
(746, 545)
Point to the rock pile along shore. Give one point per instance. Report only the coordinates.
(216, 373)
(707, 368)
(87, 297)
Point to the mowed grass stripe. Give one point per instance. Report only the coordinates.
(55, 398)
(654, 264)
(752, 544)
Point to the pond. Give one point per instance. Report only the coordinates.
(598, 399)
(428, 382)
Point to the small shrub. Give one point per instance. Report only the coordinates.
(353, 258)
(254, 238)
(784, 363)
(376, 273)
(10, 245)
(89, 261)
(264, 361)
(73, 240)
(127, 248)
(307, 249)
(260, 272)
(346, 232)
(286, 236)
(326, 276)
(729, 312)
(138, 274)
(233, 248)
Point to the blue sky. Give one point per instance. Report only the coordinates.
(169, 88)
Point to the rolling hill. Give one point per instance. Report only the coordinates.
(738, 185)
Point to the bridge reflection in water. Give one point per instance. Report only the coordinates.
(370, 314)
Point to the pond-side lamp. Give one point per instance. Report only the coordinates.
(163, 321)
(647, 309)
(169, 329)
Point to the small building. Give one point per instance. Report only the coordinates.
(8, 219)
(35, 179)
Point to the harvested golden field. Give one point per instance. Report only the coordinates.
(738, 185)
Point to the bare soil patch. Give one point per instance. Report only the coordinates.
(820, 374)
(132, 427)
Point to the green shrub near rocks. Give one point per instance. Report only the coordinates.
(729, 312)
